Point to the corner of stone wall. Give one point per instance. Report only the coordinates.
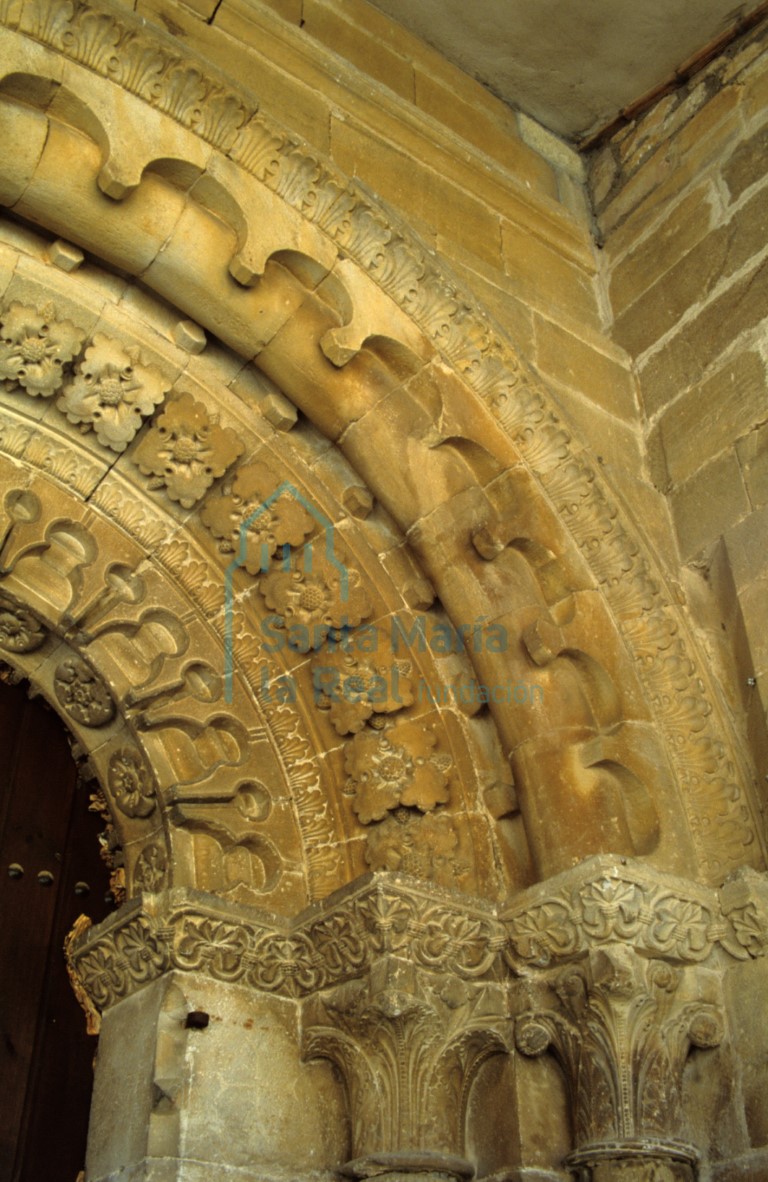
(681, 199)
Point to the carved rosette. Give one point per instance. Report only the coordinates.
(356, 688)
(83, 695)
(399, 766)
(315, 594)
(112, 391)
(186, 450)
(422, 845)
(20, 630)
(133, 790)
(35, 348)
(253, 519)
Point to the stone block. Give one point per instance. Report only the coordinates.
(685, 358)
(486, 133)
(574, 362)
(414, 188)
(358, 45)
(65, 256)
(752, 451)
(686, 224)
(707, 418)
(708, 504)
(189, 336)
(753, 599)
(666, 175)
(542, 275)
(755, 99)
(746, 547)
(279, 411)
(268, 73)
(747, 165)
(721, 254)
(613, 443)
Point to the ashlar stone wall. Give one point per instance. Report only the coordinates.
(681, 195)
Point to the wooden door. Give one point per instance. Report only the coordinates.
(48, 848)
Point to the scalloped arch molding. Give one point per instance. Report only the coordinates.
(457, 498)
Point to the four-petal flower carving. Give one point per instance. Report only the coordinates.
(398, 766)
(112, 391)
(186, 450)
(316, 594)
(251, 522)
(355, 688)
(34, 349)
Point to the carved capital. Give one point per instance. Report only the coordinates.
(408, 1043)
(622, 1027)
(609, 900)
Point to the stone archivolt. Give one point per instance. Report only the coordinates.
(309, 319)
(142, 550)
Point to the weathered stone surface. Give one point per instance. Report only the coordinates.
(708, 503)
(685, 357)
(193, 606)
(705, 420)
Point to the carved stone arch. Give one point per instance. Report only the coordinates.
(250, 790)
(169, 174)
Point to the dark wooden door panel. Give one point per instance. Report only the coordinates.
(45, 1054)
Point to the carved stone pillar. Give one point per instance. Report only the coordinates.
(411, 1032)
(409, 1044)
(198, 1073)
(620, 1020)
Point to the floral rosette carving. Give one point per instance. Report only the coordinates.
(83, 695)
(251, 522)
(398, 766)
(112, 392)
(186, 450)
(212, 945)
(20, 631)
(35, 348)
(355, 689)
(317, 595)
(285, 963)
(150, 870)
(131, 783)
(422, 845)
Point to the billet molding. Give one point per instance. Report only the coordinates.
(150, 65)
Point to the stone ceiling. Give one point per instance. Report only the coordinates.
(572, 64)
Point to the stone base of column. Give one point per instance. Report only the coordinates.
(403, 1166)
(642, 1160)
